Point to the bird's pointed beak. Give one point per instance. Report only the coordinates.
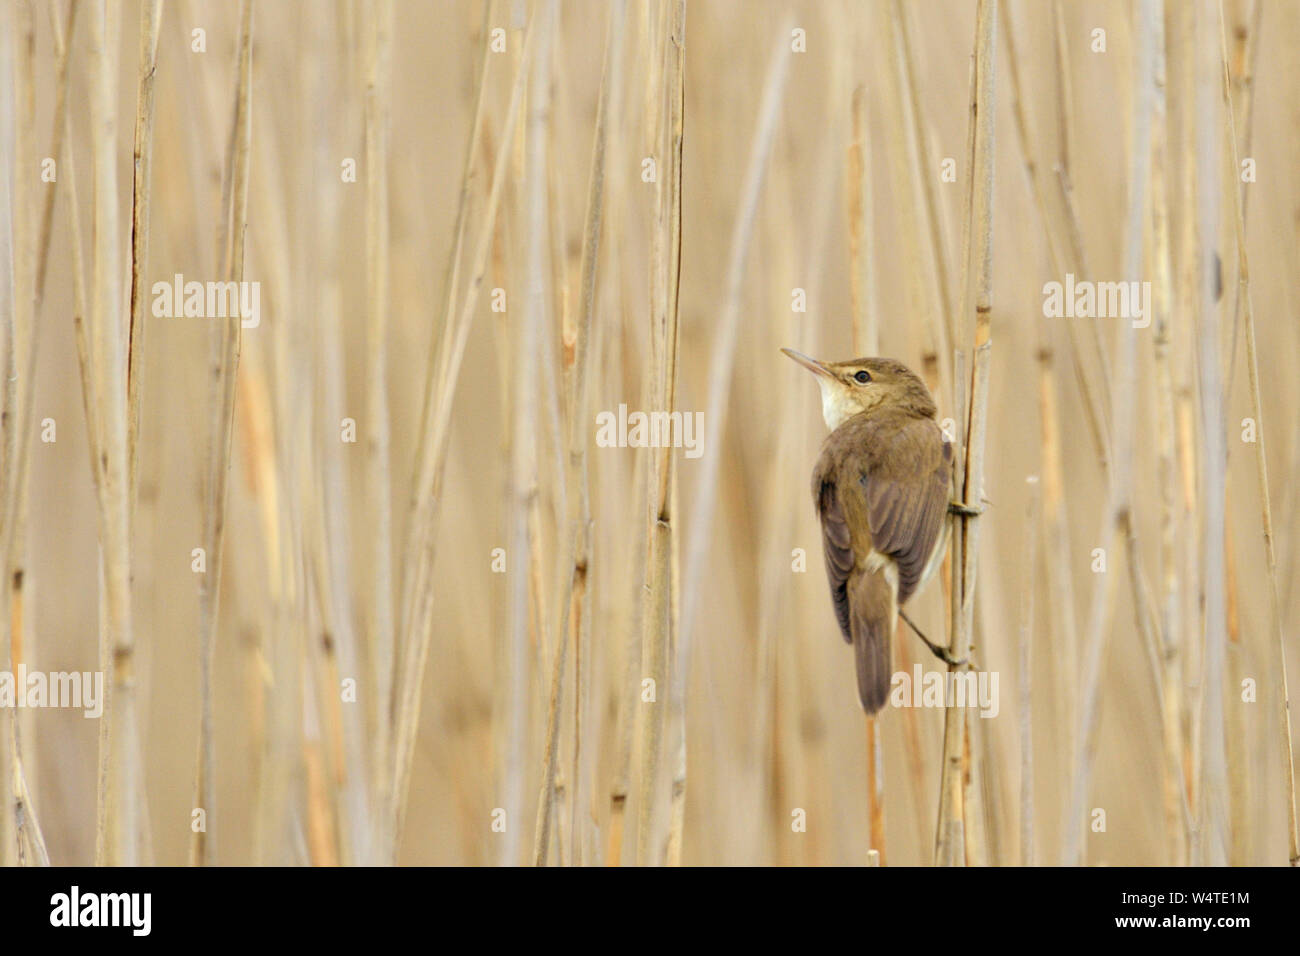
(808, 362)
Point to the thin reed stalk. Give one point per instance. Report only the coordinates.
(920, 157)
(573, 604)
(226, 344)
(380, 629)
(1174, 794)
(421, 512)
(1209, 747)
(150, 21)
(862, 284)
(659, 624)
(417, 618)
(1026, 672)
(27, 241)
(977, 306)
(1116, 517)
(1281, 686)
(524, 518)
(117, 836)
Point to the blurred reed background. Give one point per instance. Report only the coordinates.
(357, 675)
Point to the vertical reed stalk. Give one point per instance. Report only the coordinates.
(658, 623)
(417, 618)
(1026, 673)
(1116, 517)
(377, 114)
(524, 531)
(150, 21)
(23, 278)
(1210, 750)
(224, 369)
(862, 283)
(417, 566)
(573, 603)
(1174, 795)
(12, 316)
(977, 305)
(117, 838)
(1281, 686)
(920, 156)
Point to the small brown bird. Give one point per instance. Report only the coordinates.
(881, 491)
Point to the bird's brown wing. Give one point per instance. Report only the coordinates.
(904, 481)
(891, 470)
(836, 545)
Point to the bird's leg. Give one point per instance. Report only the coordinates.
(961, 508)
(940, 652)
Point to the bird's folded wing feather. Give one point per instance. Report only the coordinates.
(898, 480)
(905, 482)
(837, 546)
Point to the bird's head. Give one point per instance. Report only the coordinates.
(859, 385)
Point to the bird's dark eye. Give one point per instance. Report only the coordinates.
(862, 377)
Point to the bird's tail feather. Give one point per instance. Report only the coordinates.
(872, 622)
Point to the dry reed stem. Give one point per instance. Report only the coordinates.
(722, 365)
(1096, 405)
(1026, 634)
(22, 270)
(525, 533)
(629, 704)
(117, 838)
(904, 161)
(224, 370)
(1051, 416)
(610, 97)
(527, 614)
(377, 100)
(270, 429)
(722, 361)
(1116, 518)
(658, 622)
(150, 21)
(1174, 796)
(721, 368)
(59, 129)
(920, 155)
(876, 792)
(1241, 91)
(12, 277)
(862, 283)
(577, 547)
(1236, 734)
(1060, 224)
(417, 619)
(1209, 745)
(416, 566)
(90, 402)
(1281, 684)
(950, 849)
(330, 640)
(91, 405)
(677, 793)
(1188, 269)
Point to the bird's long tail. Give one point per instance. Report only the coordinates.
(872, 617)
